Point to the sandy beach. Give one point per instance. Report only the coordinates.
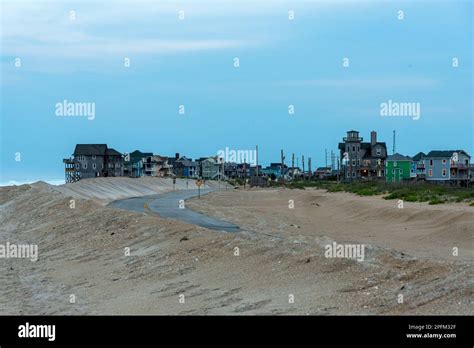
(281, 256)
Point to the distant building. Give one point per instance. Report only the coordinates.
(211, 168)
(135, 164)
(133, 167)
(418, 165)
(186, 167)
(253, 170)
(323, 173)
(450, 165)
(362, 160)
(399, 168)
(93, 160)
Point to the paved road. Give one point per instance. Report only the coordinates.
(167, 205)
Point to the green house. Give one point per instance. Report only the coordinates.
(398, 168)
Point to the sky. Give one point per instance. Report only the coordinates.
(335, 62)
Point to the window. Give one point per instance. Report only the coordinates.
(443, 172)
(77, 166)
(358, 162)
(394, 163)
(379, 152)
(353, 162)
(353, 174)
(430, 172)
(94, 157)
(353, 148)
(431, 162)
(84, 165)
(358, 148)
(393, 171)
(94, 166)
(444, 161)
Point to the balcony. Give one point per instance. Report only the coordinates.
(353, 139)
(458, 166)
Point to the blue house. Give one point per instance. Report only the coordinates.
(450, 165)
(134, 164)
(418, 166)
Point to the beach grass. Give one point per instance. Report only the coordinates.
(421, 192)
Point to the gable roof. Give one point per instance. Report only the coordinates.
(419, 156)
(138, 153)
(398, 157)
(90, 149)
(445, 153)
(112, 152)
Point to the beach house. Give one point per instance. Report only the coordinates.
(399, 168)
(210, 168)
(449, 166)
(93, 160)
(362, 160)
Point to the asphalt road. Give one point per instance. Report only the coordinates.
(167, 205)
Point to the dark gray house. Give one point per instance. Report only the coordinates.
(93, 160)
(186, 167)
(361, 160)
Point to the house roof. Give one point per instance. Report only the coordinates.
(187, 163)
(445, 153)
(138, 153)
(398, 157)
(90, 149)
(112, 152)
(419, 156)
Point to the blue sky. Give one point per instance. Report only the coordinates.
(190, 62)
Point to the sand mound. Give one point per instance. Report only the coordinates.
(105, 190)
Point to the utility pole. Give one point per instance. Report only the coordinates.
(393, 149)
(337, 169)
(282, 167)
(293, 167)
(302, 162)
(325, 158)
(332, 160)
(309, 168)
(222, 169)
(256, 156)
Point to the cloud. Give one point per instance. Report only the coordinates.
(94, 47)
(122, 28)
(365, 83)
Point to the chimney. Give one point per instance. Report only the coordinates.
(373, 138)
(176, 155)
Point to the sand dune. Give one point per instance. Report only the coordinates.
(104, 190)
(81, 252)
